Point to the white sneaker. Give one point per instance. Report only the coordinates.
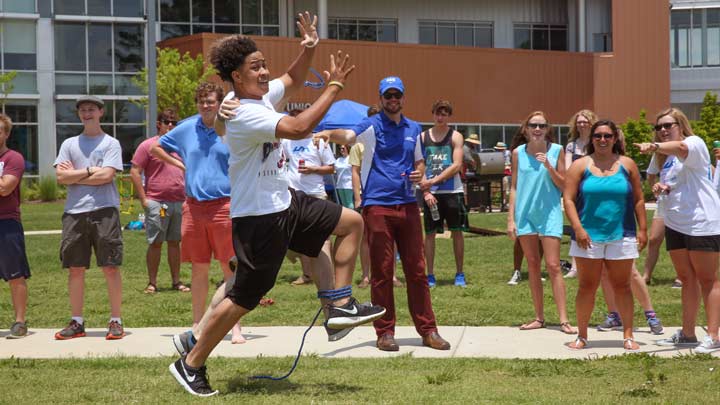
(571, 274)
(708, 345)
(515, 279)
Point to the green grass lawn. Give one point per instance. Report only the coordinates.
(486, 301)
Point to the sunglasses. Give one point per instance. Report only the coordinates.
(538, 126)
(603, 136)
(388, 96)
(169, 122)
(666, 126)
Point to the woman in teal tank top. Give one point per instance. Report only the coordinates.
(603, 200)
(535, 215)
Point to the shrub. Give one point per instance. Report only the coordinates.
(48, 189)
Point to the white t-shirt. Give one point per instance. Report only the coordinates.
(716, 177)
(343, 172)
(312, 184)
(692, 206)
(258, 176)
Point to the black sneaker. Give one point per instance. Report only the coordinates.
(184, 342)
(353, 314)
(73, 330)
(194, 380)
(336, 334)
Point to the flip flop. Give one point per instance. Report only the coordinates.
(180, 286)
(565, 327)
(150, 289)
(578, 341)
(526, 326)
(630, 341)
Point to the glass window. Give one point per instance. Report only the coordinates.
(18, 6)
(251, 12)
(484, 37)
(540, 39)
(713, 37)
(129, 136)
(227, 29)
(63, 132)
(367, 31)
(125, 87)
(696, 39)
(24, 139)
(98, 7)
(18, 42)
(101, 84)
(173, 30)
(679, 26)
(107, 116)
(129, 8)
(387, 32)
(362, 29)
(456, 33)
(227, 11)
(510, 131)
(270, 12)
(70, 7)
(491, 135)
(271, 31)
(22, 113)
(128, 112)
(69, 46)
(201, 12)
(522, 38)
(99, 49)
(66, 83)
(464, 35)
(558, 40)
(198, 28)
(175, 10)
(25, 83)
(427, 33)
(251, 30)
(445, 34)
(129, 47)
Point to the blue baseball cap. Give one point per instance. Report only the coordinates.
(391, 82)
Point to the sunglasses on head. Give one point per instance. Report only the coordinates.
(532, 125)
(388, 96)
(603, 135)
(168, 122)
(665, 126)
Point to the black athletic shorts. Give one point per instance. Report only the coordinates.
(261, 242)
(95, 230)
(452, 211)
(13, 260)
(677, 240)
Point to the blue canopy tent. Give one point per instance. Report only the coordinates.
(342, 114)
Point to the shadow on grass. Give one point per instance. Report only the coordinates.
(245, 385)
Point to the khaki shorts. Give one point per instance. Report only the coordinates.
(163, 221)
(97, 231)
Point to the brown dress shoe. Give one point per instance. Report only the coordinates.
(436, 342)
(387, 343)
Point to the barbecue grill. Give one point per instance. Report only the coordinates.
(489, 168)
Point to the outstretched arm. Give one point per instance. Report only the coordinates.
(294, 78)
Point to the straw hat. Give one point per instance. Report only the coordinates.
(500, 146)
(473, 138)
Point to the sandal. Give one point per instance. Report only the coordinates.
(266, 301)
(567, 329)
(630, 342)
(180, 286)
(150, 289)
(534, 324)
(580, 343)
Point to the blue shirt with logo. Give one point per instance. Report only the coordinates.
(390, 155)
(205, 157)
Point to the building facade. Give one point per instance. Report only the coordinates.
(496, 60)
(694, 53)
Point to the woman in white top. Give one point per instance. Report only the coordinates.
(692, 226)
(343, 176)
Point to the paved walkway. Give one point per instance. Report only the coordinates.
(279, 341)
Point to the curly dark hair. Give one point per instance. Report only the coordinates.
(229, 53)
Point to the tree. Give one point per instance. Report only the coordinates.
(6, 85)
(708, 126)
(637, 131)
(177, 78)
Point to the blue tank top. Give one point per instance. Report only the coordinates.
(537, 199)
(606, 206)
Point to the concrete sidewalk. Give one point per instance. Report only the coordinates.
(279, 341)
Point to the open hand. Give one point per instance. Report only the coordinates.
(340, 68)
(308, 29)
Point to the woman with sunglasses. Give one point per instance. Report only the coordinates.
(603, 201)
(692, 226)
(343, 178)
(578, 139)
(535, 215)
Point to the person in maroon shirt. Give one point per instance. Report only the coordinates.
(14, 266)
(162, 197)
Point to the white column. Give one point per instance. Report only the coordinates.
(46, 105)
(322, 18)
(581, 26)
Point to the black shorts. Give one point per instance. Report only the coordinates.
(13, 260)
(97, 231)
(452, 211)
(676, 240)
(261, 242)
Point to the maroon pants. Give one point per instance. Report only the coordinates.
(386, 226)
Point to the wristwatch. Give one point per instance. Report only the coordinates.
(656, 146)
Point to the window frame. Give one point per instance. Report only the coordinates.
(453, 24)
(540, 27)
(361, 21)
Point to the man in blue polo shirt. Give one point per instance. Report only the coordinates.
(392, 157)
(206, 225)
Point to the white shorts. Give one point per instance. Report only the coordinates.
(626, 248)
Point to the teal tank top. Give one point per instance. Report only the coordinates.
(537, 199)
(606, 206)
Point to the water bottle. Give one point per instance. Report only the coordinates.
(434, 212)
(409, 185)
(141, 217)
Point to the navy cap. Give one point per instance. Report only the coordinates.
(391, 82)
